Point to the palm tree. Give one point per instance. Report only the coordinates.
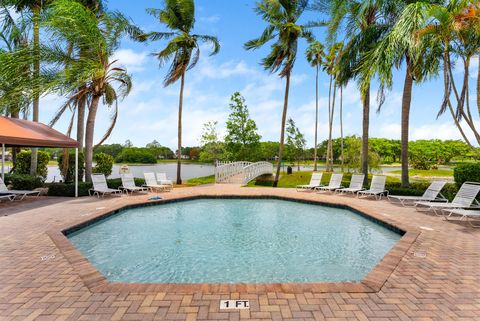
(315, 54)
(183, 49)
(35, 7)
(89, 67)
(362, 25)
(282, 17)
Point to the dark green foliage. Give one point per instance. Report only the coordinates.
(136, 156)
(68, 190)
(112, 149)
(68, 174)
(467, 173)
(23, 163)
(104, 164)
(24, 182)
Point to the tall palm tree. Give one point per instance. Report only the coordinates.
(183, 49)
(97, 37)
(35, 7)
(361, 23)
(315, 54)
(282, 17)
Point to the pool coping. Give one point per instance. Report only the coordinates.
(97, 283)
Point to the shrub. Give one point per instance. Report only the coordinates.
(420, 161)
(24, 159)
(24, 182)
(136, 155)
(69, 172)
(104, 164)
(467, 173)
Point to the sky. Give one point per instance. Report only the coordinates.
(150, 111)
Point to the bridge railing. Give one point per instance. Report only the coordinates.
(240, 172)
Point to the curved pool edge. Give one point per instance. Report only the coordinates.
(373, 282)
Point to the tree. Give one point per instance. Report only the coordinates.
(97, 37)
(282, 17)
(242, 137)
(401, 45)
(296, 142)
(212, 148)
(184, 51)
(315, 54)
(362, 23)
(128, 144)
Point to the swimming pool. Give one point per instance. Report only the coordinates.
(234, 241)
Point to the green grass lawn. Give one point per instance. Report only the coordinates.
(428, 173)
(201, 180)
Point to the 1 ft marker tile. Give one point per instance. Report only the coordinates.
(234, 304)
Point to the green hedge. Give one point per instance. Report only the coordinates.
(136, 155)
(68, 190)
(24, 160)
(70, 172)
(104, 164)
(467, 173)
(24, 182)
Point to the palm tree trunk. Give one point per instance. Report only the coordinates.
(330, 129)
(179, 151)
(327, 158)
(89, 133)
(282, 132)
(81, 123)
(341, 126)
(478, 84)
(15, 150)
(366, 125)
(36, 79)
(406, 103)
(316, 122)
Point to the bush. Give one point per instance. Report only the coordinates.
(69, 172)
(24, 182)
(68, 190)
(420, 161)
(104, 164)
(136, 155)
(467, 173)
(24, 159)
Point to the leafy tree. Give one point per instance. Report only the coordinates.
(242, 138)
(160, 151)
(282, 17)
(295, 148)
(112, 149)
(183, 50)
(212, 147)
(268, 150)
(128, 144)
(353, 157)
(24, 163)
(315, 55)
(104, 164)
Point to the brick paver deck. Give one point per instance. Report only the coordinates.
(40, 282)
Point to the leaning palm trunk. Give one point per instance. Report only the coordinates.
(179, 151)
(36, 79)
(329, 167)
(282, 132)
(366, 125)
(81, 104)
(89, 133)
(406, 103)
(316, 122)
(341, 127)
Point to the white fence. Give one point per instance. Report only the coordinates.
(240, 172)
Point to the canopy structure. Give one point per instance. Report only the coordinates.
(24, 133)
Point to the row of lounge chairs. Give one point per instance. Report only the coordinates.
(11, 195)
(377, 187)
(158, 182)
(464, 204)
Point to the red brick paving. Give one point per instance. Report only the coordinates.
(444, 285)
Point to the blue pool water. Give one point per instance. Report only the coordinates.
(234, 241)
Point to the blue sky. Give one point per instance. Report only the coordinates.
(150, 112)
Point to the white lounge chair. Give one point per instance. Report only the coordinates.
(335, 183)
(466, 214)
(9, 197)
(464, 199)
(315, 181)
(152, 184)
(16, 193)
(163, 180)
(377, 188)
(128, 184)
(432, 194)
(356, 185)
(100, 187)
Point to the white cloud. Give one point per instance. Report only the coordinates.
(210, 19)
(208, 69)
(133, 61)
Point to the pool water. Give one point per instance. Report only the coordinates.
(234, 241)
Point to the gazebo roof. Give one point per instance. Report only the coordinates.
(19, 132)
